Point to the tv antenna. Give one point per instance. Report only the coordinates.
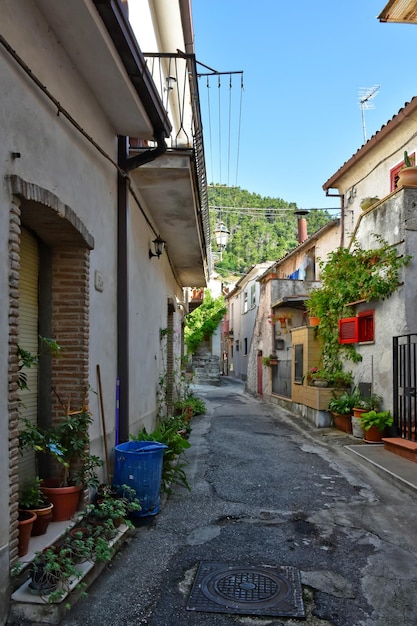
(366, 95)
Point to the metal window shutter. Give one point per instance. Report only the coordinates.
(28, 338)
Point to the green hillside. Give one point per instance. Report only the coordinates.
(261, 228)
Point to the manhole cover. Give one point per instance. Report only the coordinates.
(222, 588)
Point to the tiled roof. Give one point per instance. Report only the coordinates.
(405, 111)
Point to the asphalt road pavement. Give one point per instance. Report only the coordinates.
(270, 494)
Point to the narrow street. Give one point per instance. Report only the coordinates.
(267, 490)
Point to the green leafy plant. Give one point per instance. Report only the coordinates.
(372, 402)
(335, 378)
(26, 359)
(89, 543)
(114, 505)
(31, 496)
(168, 433)
(349, 275)
(192, 403)
(67, 443)
(203, 321)
(380, 419)
(266, 360)
(344, 403)
(52, 571)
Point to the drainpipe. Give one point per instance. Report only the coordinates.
(132, 163)
(122, 296)
(126, 163)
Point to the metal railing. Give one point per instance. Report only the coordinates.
(175, 76)
(405, 385)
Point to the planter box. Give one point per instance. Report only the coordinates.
(314, 397)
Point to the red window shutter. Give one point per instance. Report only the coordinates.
(366, 326)
(348, 330)
(394, 172)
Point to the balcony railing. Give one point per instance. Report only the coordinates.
(175, 76)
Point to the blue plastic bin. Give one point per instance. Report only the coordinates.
(138, 464)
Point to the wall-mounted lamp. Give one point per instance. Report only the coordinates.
(170, 83)
(159, 245)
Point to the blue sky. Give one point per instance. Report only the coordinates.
(304, 63)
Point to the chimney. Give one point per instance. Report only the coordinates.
(302, 225)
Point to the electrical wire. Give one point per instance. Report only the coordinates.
(239, 128)
(230, 129)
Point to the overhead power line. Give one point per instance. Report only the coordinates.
(231, 209)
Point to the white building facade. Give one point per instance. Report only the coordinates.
(92, 175)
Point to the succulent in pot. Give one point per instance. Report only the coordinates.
(52, 571)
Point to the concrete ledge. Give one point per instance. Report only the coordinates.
(396, 470)
(37, 610)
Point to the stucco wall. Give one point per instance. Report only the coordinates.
(394, 220)
(56, 158)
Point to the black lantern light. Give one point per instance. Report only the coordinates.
(159, 245)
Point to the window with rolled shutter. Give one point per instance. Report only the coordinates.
(358, 329)
(366, 330)
(28, 338)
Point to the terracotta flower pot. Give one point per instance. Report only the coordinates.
(43, 517)
(64, 499)
(26, 519)
(407, 176)
(342, 422)
(373, 435)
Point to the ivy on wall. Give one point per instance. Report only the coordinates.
(347, 276)
(203, 321)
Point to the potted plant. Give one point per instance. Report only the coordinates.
(318, 377)
(342, 409)
(52, 571)
(270, 360)
(189, 406)
(408, 174)
(366, 203)
(112, 507)
(87, 543)
(32, 499)
(375, 423)
(365, 404)
(25, 525)
(68, 444)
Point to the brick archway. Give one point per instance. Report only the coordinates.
(68, 245)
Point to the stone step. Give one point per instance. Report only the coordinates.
(402, 447)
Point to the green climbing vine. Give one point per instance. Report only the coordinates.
(203, 321)
(347, 276)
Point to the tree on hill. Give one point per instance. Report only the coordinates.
(261, 228)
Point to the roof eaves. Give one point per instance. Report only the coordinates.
(121, 33)
(408, 109)
(316, 235)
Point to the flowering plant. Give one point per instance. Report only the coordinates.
(273, 318)
(337, 379)
(312, 373)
